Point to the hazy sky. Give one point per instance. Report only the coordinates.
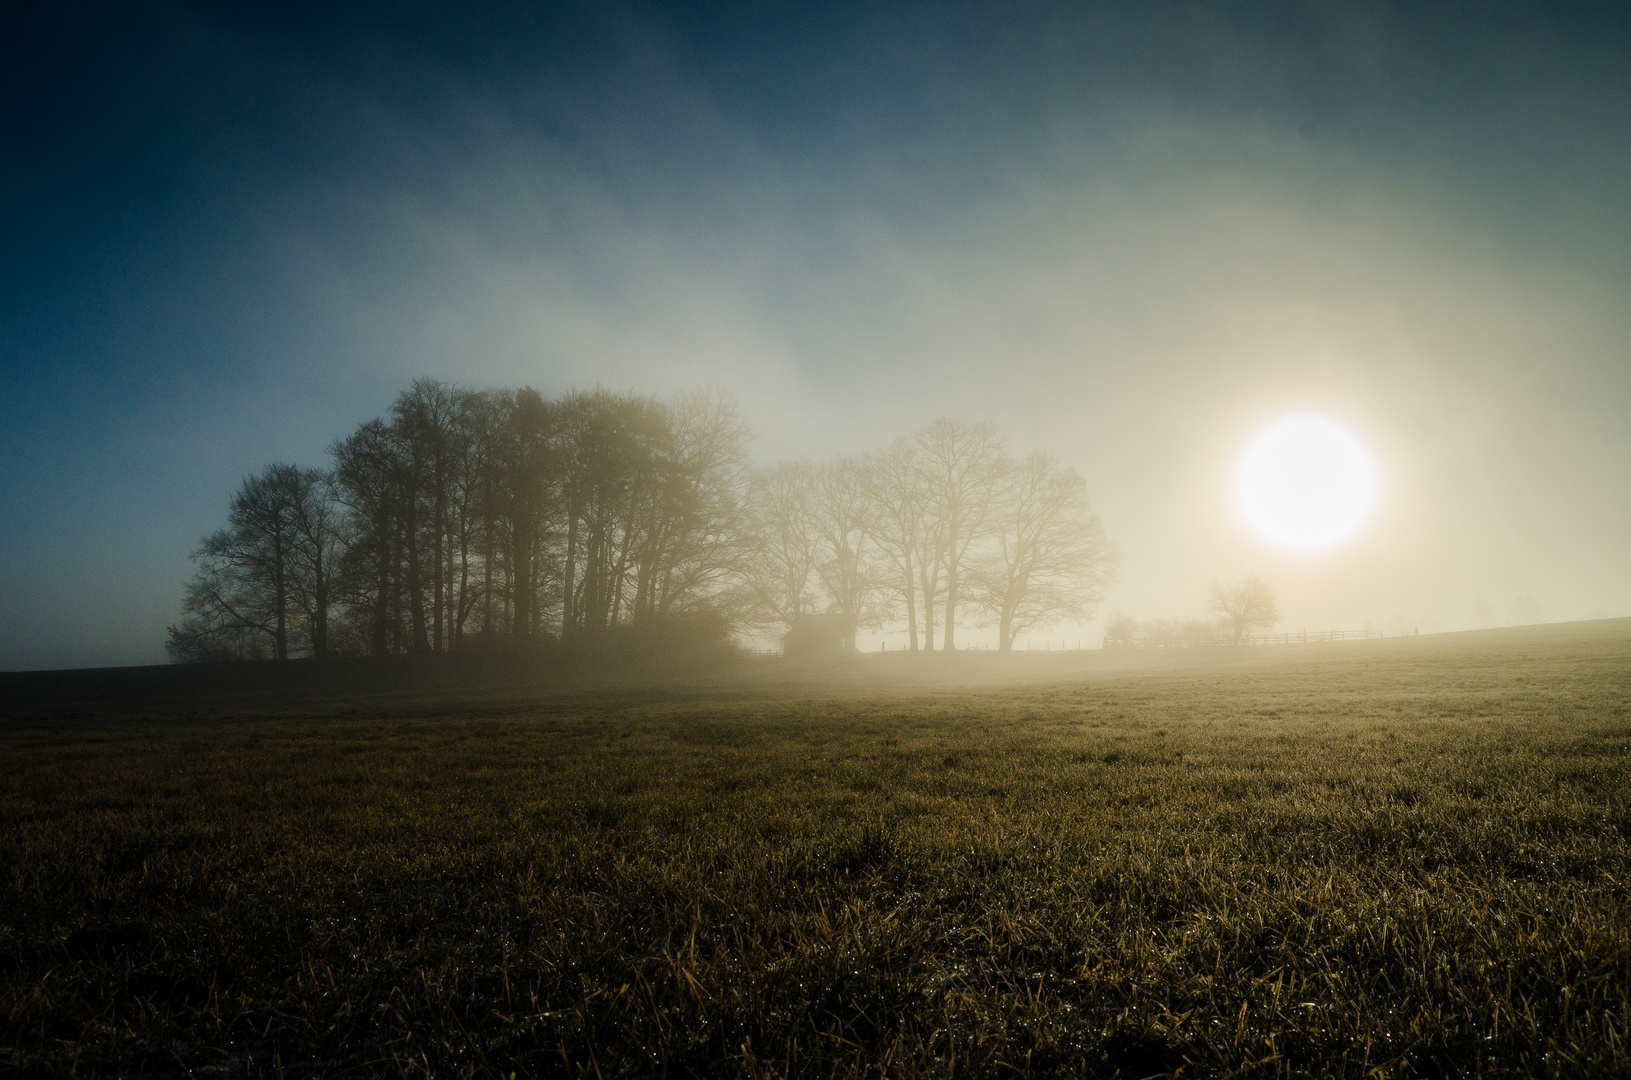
(1130, 234)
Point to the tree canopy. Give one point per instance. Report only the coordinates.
(1245, 605)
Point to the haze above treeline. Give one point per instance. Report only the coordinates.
(1127, 236)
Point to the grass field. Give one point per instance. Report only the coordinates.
(1390, 858)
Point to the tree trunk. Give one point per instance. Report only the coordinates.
(280, 637)
(464, 590)
(319, 621)
(928, 609)
(382, 601)
(416, 588)
(569, 607)
(399, 635)
(439, 582)
(911, 608)
(521, 560)
(487, 556)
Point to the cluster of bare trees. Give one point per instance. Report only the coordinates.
(939, 522)
(465, 519)
(1241, 606)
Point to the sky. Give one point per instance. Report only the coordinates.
(1132, 235)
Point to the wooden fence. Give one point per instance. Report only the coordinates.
(1300, 637)
(1304, 636)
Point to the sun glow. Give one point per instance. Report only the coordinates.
(1305, 483)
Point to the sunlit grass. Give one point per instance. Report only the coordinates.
(1380, 858)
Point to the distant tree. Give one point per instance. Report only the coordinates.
(425, 429)
(841, 518)
(612, 449)
(480, 424)
(248, 572)
(1048, 557)
(901, 528)
(530, 464)
(693, 531)
(319, 545)
(1120, 630)
(202, 639)
(777, 578)
(1246, 605)
(367, 473)
(962, 466)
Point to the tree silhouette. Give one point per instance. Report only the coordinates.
(842, 518)
(1246, 605)
(529, 519)
(781, 546)
(1049, 558)
(270, 564)
(900, 525)
(319, 546)
(366, 472)
(962, 467)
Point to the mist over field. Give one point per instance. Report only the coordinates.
(1130, 238)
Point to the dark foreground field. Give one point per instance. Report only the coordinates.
(1392, 858)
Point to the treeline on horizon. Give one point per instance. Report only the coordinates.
(466, 521)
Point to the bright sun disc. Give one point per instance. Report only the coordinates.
(1305, 483)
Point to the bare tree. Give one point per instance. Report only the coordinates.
(247, 571)
(841, 518)
(1246, 605)
(529, 470)
(611, 446)
(367, 469)
(1049, 557)
(1120, 630)
(207, 638)
(318, 548)
(692, 530)
(480, 420)
(962, 466)
(900, 524)
(782, 545)
(424, 425)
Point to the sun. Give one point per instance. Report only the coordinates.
(1306, 483)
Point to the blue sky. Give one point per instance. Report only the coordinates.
(1129, 234)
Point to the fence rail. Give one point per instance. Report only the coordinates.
(1300, 637)
(1310, 635)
